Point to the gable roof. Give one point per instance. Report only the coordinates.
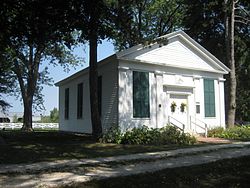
(185, 41)
(186, 45)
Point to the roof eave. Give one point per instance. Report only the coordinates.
(84, 71)
(179, 67)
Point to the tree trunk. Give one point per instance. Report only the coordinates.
(27, 116)
(227, 55)
(229, 38)
(27, 100)
(28, 89)
(93, 85)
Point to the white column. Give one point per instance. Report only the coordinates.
(222, 102)
(159, 96)
(123, 105)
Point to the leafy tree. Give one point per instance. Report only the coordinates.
(54, 115)
(243, 77)
(6, 84)
(242, 57)
(45, 119)
(6, 80)
(139, 21)
(36, 31)
(204, 22)
(232, 17)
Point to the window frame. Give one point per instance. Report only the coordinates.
(141, 104)
(209, 98)
(80, 100)
(66, 103)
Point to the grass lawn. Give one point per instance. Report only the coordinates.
(24, 147)
(225, 173)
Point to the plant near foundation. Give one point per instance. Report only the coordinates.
(235, 133)
(113, 135)
(171, 135)
(148, 136)
(186, 139)
(141, 135)
(215, 131)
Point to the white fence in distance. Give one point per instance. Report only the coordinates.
(34, 125)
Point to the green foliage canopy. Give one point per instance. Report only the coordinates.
(35, 31)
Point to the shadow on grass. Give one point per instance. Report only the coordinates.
(225, 173)
(22, 147)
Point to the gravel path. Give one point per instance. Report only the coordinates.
(188, 157)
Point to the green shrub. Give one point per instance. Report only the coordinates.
(141, 135)
(113, 135)
(156, 137)
(235, 133)
(214, 132)
(172, 135)
(144, 135)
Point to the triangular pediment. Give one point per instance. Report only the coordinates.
(179, 51)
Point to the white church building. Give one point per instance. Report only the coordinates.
(175, 82)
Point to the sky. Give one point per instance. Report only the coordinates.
(51, 93)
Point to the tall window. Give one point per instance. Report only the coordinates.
(66, 104)
(141, 108)
(79, 100)
(99, 92)
(209, 98)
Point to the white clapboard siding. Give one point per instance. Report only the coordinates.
(178, 67)
(109, 116)
(174, 54)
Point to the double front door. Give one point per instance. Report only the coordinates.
(179, 108)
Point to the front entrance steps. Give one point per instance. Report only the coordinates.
(193, 126)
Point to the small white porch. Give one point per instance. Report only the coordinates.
(194, 126)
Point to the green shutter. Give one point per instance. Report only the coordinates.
(79, 100)
(209, 98)
(141, 94)
(66, 103)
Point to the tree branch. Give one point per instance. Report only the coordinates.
(19, 55)
(243, 22)
(34, 72)
(241, 19)
(243, 9)
(18, 72)
(170, 17)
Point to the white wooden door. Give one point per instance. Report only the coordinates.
(180, 112)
